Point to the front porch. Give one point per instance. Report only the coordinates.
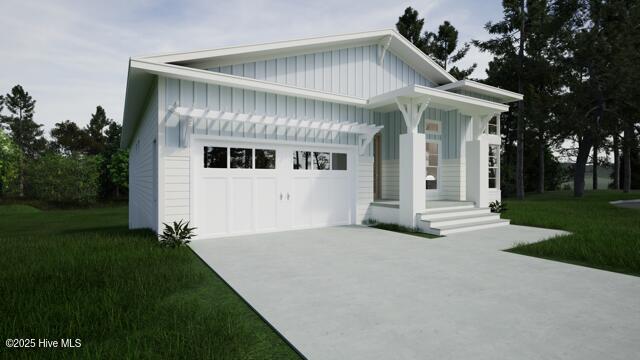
(440, 217)
(436, 157)
(429, 204)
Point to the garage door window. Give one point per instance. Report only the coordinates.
(339, 161)
(215, 157)
(301, 160)
(321, 161)
(241, 158)
(265, 159)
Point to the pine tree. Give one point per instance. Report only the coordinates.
(24, 132)
(443, 47)
(410, 26)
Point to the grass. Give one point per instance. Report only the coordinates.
(82, 274)
(603, 236)
(402, 229)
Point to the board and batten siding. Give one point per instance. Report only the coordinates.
(200, 95)
(454, 133)
(174, 129)
(354, 71)
(143, 179)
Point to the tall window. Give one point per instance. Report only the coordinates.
(492, 126)
(494, 163)
(432, 155)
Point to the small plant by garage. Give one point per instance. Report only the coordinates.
(176, 235)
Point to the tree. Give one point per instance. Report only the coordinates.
(508, 47)
(68, 138)
(118, 169)
(442, 47)
(25, 133)
(9, 162)
(410, 26)
(96, 138)
(63, 179)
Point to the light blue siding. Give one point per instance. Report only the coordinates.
(352, 71)
(214, 97)
(452, 124)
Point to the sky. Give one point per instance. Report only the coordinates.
(72, 55)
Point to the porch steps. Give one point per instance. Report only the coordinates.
(456, 219)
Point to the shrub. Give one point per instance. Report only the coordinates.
(63, 179)
(497, 207)
(9, 162)
(179, 234)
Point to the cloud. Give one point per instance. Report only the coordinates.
(72, 55)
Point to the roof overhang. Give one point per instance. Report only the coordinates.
(440, 99)
(139, 83)
(504, 96)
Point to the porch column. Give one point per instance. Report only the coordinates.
(477, 161)
(412, 161)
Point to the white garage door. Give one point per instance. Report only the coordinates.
(249, 188)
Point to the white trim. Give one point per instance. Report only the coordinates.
(505, 95)
(232, 139)
(445, 98)
(431, 193)
(497, 167)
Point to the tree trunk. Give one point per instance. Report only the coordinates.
(595, 167)
(21, 176)
(628, 142)
(541, 150)
(584, 147)
(616, 162)
(520, 122)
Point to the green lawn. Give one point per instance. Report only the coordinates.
(603, 236)
(82, 274)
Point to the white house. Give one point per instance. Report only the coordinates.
(310, 133)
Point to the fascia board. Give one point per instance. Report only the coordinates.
(508, 96)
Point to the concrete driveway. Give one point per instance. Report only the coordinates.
(361, 293)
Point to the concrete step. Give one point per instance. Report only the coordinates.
(448, 208)
(460, 211)
(461, 219)
(477, 225)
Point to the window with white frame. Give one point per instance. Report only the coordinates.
(432, 160)
(432, 127)
(492, 125)
(494, 166)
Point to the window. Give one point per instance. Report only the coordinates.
(494, 153)
(492, 126)
(265, 159)
(240, 158)
(301, 160)
(339, 161)
(432, 157)
(215, 157)
(432, 127)
(321, 161)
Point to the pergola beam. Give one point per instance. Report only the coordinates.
(368, 130)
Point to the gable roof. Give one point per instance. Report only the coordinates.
(142, 73)
(389, 38)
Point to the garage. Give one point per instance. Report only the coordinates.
(254, 187)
